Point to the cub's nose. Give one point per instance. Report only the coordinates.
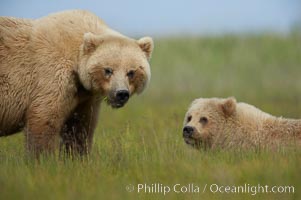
(122, 96)
(188, 131)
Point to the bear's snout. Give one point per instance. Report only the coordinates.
(119, 98)
(188, 131)
(122, 96)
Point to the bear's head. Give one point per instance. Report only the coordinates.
(114, 66)
(207, 118)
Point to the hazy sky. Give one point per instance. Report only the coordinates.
(164, 17)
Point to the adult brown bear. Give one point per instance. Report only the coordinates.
(55, 71)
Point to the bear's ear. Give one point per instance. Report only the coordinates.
(91, 41)
(229, 106)
(147, 45)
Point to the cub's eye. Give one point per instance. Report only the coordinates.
(131, 74)
(203, 120)
(189, 118)
(108, 71)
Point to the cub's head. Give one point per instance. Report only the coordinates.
(207, 118)
(114, 66)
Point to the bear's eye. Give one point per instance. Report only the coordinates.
(189, 118)
(131, 74)
(108, 71)
(203, 120)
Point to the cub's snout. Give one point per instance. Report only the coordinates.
(188, 131)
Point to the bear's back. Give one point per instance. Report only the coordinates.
(62, 33)
(14, 35)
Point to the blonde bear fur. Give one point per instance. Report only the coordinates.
(55, 71)
(224, 123)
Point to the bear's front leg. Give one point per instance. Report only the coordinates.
(78, 131)
(41, 138)
(43, 125)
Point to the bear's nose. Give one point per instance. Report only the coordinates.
(188, 131)
(122, 96)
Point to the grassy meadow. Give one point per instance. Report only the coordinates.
(142, 142)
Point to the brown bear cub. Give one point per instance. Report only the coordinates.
(55, 71)
(224, 123)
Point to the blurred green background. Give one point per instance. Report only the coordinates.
(142, 142)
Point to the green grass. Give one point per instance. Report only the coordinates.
(142, 142)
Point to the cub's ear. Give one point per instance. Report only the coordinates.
(147, 45)
(229, 106)
(91, 41)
